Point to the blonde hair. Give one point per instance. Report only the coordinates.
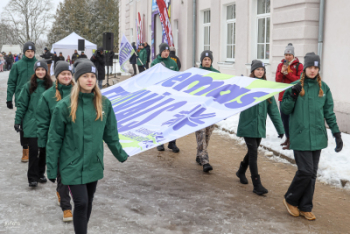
(74, 97)
(319, 80)
(58, 94)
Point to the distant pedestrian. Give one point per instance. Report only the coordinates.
(68, 60)
(47, 55)
(9, 61)
(82, 55)
(148, 49)
(174, 57)
(142, 59)
(2, 61)
(98, 59)
(133, 59)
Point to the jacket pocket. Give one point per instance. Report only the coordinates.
(100, 160)
(69, 161)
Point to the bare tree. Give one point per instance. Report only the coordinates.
(7, 35)
(29, 18)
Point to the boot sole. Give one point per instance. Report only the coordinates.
(289, 211)
(310, 219)
(240, 179)
(68, 219)
(259, 193)
(160, 149)
(24, 161)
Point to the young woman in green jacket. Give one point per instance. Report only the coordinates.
(46, 106)
(80, 124)
(25, 120)
(309, 103)
(252, 126)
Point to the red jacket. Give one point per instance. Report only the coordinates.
(292, 75)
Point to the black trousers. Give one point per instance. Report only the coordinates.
(37, 161)
(141, 69)
(23, 140)
(9, 66)
(285, 121)
(82, 195)
(147, 65)
(134, 68)
(251, 158)
(63, 190)
(301, 190)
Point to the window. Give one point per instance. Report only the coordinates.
(230, 32)
(206, 27)
(263, 28)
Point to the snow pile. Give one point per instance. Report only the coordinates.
(334, 168)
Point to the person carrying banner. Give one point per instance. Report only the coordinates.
(252, 126)
(288, 71)
(20, 74)
(81, 124)
(142, 59)
(133, 59)
(46, 106)
(203, 135)
(309, 103)
(164, 58)
(174, 57)
(25, 120)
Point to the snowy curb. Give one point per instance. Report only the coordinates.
(333, 168)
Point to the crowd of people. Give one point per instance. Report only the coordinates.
(7, 60)
(63, 123)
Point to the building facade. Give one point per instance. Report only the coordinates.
(238, 31)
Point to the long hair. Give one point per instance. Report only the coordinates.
(34, 84)
(74, 97)
(58, 94)
(264, 78)
(319, 80)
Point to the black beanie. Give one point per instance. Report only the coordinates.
(207, 53)
(256, 64)
(83, 66)
(312, 59)
(162, 47)
(41, 63)
(62, 66)
(28, 46)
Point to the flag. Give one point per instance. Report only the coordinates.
(140, 28)
(160, 105)
(164, 19)
(125, 52)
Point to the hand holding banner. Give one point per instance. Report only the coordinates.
(125, 52)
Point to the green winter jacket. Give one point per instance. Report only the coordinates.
(78, 147)
(20, 73)
(252, 122)
(27, 108)
(209, 68)
(307, 115)
(45, 109)
(169, 63)
(142, 57)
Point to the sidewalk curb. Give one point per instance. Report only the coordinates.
(278, 154)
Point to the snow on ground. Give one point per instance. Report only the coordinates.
(333, 167)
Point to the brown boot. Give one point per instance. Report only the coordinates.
(25, 156)
(292, 210)
(308, 215)
(287, 144)
(67, 216)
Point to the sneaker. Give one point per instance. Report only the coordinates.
(67, 216)
(198, 161)
(160, 147)
(33, 184)
(292, 210)
(308, 215)
(42, 180)
(207, 167)
(58, 199)
(25, 156)
(173, 147)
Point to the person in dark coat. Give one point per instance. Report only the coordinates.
(133, 59)
(174, 57)
(48, 58)
(55, 58)
(75, 56)
(98, 59)
(61, 57)
(109, 61)
(82, 55)
(148, 49)
(9, 61)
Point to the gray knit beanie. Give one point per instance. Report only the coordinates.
(207, 53)
(256, 64)
(62, 66)
(289, 49)
(162, 47)
(83, 66)
(41, 63)
(312, 59)
(28, 46)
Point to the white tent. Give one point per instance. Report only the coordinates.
(70, 43)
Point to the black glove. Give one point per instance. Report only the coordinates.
(296, 89)
(53, 180)
(9, 105)
(18, 127)
(280, 136)
(338, 142)
(41, 150)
